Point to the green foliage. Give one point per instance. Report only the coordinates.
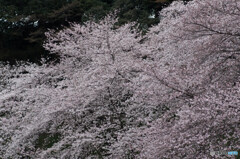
(137, 10)
(23, 22)
(53, 10)
(47, 140)
(94, 9)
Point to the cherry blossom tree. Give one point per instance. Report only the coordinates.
(199, 64)
(171, 93)
(74, 108)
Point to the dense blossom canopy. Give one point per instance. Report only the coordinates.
(172, 93)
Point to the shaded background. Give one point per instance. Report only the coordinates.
(23, 22)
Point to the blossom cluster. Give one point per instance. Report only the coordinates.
(115, 93)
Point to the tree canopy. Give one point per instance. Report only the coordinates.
(115, 93)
